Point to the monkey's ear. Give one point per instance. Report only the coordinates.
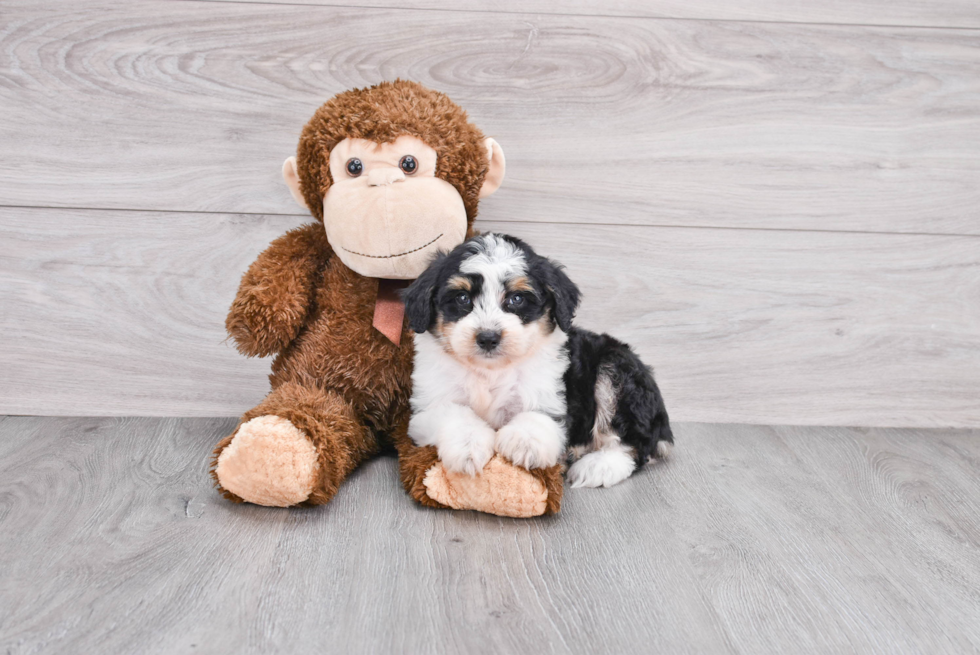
(495, 175)
(291, 175)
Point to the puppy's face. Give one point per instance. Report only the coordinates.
(492, 301)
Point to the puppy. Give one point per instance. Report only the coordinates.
(500, 368)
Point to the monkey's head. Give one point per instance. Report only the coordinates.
(395, 173)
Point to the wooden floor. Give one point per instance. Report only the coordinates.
(749, 540)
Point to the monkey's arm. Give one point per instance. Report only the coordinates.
(276, 292)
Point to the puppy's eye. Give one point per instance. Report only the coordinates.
(515, 301)
(408, 164)
(463, 299)
(354, 167)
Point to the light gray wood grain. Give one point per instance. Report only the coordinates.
(944, 13)
(749, 540)
(122, 313)
(193, 106)
(126, 309)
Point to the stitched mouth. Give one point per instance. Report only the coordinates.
(401, 254)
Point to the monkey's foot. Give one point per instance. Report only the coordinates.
(269, 461)
(501, 488)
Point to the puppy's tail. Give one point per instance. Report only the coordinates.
(662, 435)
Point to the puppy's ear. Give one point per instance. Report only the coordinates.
(564, 293)
(420, 297)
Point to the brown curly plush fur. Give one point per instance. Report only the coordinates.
(335, 377)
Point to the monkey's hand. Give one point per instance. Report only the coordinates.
(276, 292)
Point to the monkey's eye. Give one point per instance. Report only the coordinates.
(463, 299)
(515, 301)
(408, 164)
(354, 167)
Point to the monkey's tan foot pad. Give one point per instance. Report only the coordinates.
(269, 462)
(502, 489)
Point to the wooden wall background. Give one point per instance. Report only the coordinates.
(778, 203)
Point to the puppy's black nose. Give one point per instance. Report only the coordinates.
(488, 339)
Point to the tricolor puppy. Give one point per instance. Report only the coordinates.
(499, 368)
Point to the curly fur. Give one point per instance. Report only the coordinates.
(275, 294)
(334, 376)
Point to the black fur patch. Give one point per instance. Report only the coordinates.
(429, 291)
(532, 308)
(553, 289)
(448, 299)
(640, 419)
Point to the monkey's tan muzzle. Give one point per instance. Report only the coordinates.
(389, 226)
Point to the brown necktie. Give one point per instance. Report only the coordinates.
(389, 310)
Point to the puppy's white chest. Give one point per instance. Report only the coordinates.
(494, 399)
(495, 395)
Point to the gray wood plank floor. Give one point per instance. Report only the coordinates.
(750, 539)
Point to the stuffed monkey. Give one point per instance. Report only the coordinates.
(392, 173)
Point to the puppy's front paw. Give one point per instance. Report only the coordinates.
(531, 440)
(469, 451)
